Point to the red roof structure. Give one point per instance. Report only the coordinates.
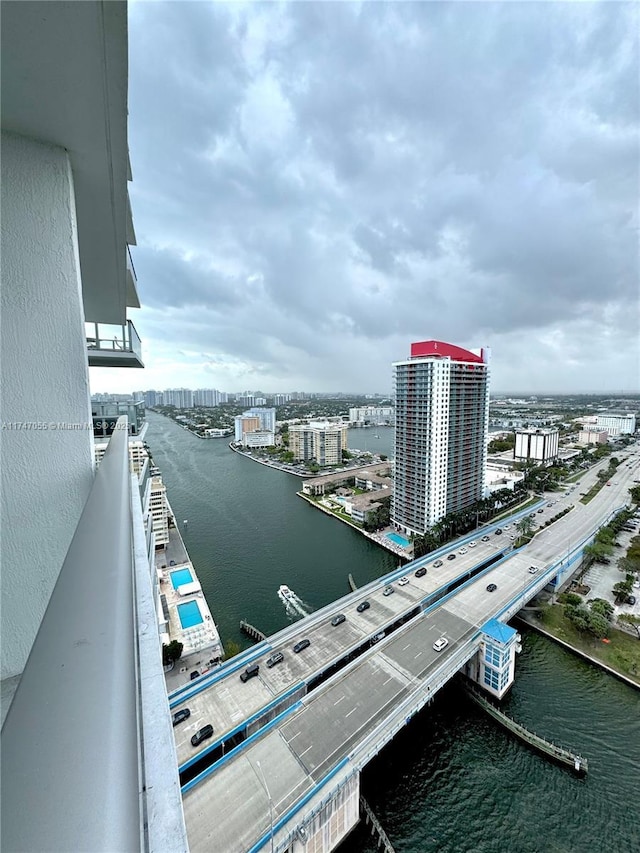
(441, 349)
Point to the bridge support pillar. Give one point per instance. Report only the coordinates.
(329, 821)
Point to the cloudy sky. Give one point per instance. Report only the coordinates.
(317, 185)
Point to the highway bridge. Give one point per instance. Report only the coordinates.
(281, 771)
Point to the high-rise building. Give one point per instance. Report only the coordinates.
(267, 417)
(442, 417)
(537, 445)
(322, 442)
(617, 424)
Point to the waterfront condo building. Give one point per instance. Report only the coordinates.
(319, 442)
(442, 416)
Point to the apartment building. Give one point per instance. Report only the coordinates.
(322, 442)
(442, 412)
(617, 424)
(81, 652)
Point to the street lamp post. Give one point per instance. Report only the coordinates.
(266, 788)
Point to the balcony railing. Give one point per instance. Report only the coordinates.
(113, 346)
(88, 755)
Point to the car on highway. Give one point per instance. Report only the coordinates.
(388, 590)
(338, 619)
(301, 645)
(512, 536)
(250, 672)
(486, 539)
(540, 510)
(440, 644)
(437, 564)
(180, 716)
(549, 505)
(276, 657)
(421, 572)
(472, 544)
(202, 734)
(497, 531)
(507, 527)
(404, 580)
(364, 605)
(532, 570)
(451, 556)
(463, 551)
(492, 587)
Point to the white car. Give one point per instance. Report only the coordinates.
(403, 581)
(507, 527)
(472, 544)
(463, 551)
(533, 570)
(440, 644)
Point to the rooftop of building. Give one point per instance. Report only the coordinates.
(498, 631)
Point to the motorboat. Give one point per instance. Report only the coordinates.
(285, 593)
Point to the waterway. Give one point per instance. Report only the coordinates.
(452, 781)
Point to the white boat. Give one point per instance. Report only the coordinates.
(285, 593)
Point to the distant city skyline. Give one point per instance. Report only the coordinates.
(316, 185)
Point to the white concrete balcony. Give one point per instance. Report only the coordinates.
(88, 755)
(113, 346)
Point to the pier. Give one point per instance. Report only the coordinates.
(252, 632)
(376, 828)
(557, 753)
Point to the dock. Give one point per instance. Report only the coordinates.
(563, 756)
(252, 632)
(376, 828)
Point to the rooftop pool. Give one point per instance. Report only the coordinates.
(189, 614)
(399, 540)
(181, 577)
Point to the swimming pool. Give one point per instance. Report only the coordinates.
(189, 614)
(181, 577)
(399, 540)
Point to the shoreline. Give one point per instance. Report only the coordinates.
(530, 623)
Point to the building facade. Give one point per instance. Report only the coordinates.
(371, 415)
(624, 424)
(593, 436)
(322, 443)
(536, 445)
(442, 413)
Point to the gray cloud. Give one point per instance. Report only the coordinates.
(318, 184)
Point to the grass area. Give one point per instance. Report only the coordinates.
(575, 477)
(341, 513)
(509, 512)
(622, 653)
(593, 491)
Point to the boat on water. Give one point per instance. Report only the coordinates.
(285, 593)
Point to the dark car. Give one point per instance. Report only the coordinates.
(338, 620)
(172, 562)
(492, 587)
(631, 599)
(250, 672)
(364, 605)
(540, 510)
(276, 657)
(180, 716)
(194, 674)
(497, 531)
(303, 644)
(421, 572)
(202, 734)
(451, 556)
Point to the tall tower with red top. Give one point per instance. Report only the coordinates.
(442, 419)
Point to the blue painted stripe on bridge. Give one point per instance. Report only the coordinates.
(277, 826)
(236, 749)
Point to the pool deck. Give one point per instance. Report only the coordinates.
(201, 643)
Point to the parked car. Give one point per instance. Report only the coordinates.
(421, 572)
(202, 734)
(492, 587)
(403, 581)
(180, 716)
(301, 645)
(440, 644)
(250, 672)
(194, 674)
(364, 605)
(631, 599)
(388, 590)
(276, 657)
(437, 564)
(507, 527)
(338, 619)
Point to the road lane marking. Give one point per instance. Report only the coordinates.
(305, 751)
(406, 647)
(417, 656)
(350, 712)
(338, 700)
